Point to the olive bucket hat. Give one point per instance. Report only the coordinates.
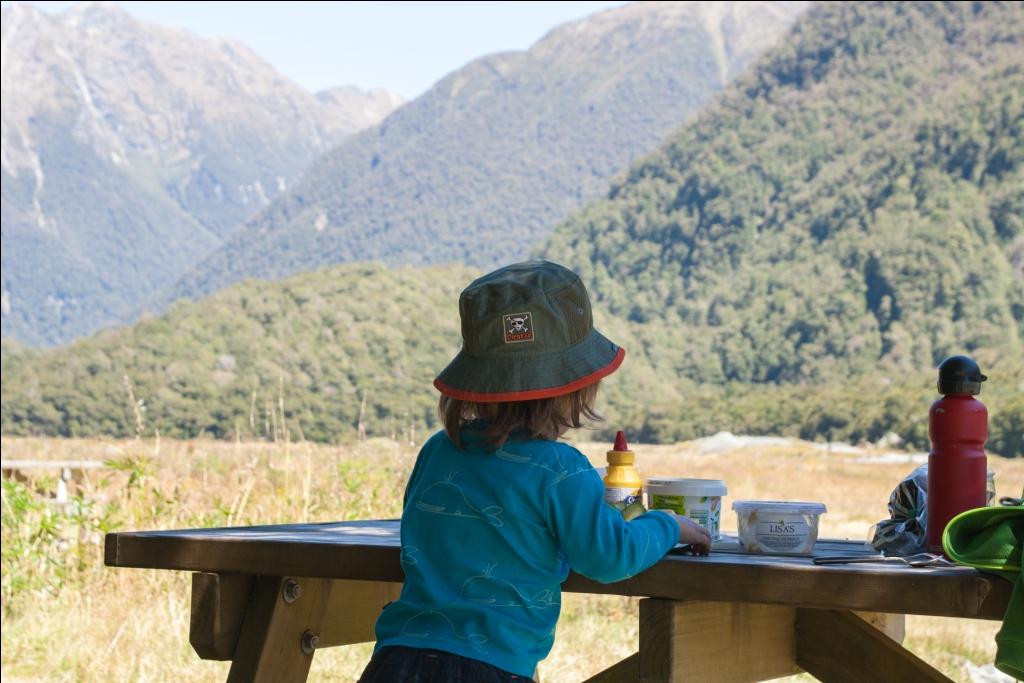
(527, 333)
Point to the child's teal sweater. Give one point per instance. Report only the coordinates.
(489, 536)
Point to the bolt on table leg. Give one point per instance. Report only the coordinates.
(278, 636)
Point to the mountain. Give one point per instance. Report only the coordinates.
(130, 150)
(478, 169)
(353, 109)
(851, 207)
(795, 261)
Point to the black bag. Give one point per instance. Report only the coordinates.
(905, 532)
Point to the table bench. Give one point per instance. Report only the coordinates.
(71, 472)
(267, 597)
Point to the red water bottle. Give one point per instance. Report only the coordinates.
(958, 428)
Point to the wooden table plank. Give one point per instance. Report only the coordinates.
(369, 551)
(700, 641)
(353, 609)
(959, 592)
(362, 550)
(8, 465)
(219, 602)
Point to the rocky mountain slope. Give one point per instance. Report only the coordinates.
(129, 151)
(479, 168)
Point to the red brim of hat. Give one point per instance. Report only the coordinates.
(533, 394)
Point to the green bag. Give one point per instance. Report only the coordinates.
(992, 539)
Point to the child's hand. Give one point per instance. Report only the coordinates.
(693, 534)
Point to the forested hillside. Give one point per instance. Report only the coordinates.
(851, 207)
(479, 169)
(311, 348)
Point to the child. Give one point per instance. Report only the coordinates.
(497, 510)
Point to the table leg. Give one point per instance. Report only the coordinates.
(625, 671)
(280, 631)
(727, 642)
(840, 647)
(225, 605)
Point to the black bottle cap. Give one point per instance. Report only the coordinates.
(960, 375)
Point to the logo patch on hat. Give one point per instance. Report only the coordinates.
(518, 327)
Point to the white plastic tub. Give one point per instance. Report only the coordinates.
(777, 527)
(697, 499)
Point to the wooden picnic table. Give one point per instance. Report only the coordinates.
(266, 597)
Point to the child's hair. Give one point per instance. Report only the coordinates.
(544, 418)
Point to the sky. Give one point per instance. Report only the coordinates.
(404, 47)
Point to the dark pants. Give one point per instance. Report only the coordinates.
(397, 664)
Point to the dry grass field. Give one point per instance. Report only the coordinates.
(66, 617)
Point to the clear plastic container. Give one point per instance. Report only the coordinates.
(697, 499)
(778, 527)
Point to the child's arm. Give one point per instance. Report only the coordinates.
(596, 540)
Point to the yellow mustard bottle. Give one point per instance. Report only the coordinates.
(622, 483)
